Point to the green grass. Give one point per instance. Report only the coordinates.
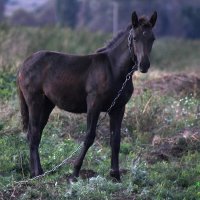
(7, 86)
(169, 180)
(176, 179)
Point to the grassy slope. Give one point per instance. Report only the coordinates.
(176, 54)
(146, 115)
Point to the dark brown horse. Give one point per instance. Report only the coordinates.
(83, 84)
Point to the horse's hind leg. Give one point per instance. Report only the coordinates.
(38, 116)
(116, 117)
(48, 106)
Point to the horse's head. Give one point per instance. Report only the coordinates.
(142, 39)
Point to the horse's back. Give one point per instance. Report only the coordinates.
(48, 64)
(58, 76)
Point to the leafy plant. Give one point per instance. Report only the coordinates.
(7, 86)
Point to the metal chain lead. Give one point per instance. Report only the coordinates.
(52, 170)
(130, 40)
(128, 77)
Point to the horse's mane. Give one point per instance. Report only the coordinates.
(112, 42)
(143, 21)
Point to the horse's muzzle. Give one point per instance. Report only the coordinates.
(144, 65)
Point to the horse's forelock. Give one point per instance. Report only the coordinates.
(144, 22)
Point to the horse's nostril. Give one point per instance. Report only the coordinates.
(143, 70)
(144, 65)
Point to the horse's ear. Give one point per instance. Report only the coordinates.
(135, 20)
(153, 19)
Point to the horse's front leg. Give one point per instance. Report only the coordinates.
(93, 112)
(116, 117)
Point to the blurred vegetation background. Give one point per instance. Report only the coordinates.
(16, 43)
(176, 18)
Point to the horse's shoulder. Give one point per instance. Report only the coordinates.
(101, 57)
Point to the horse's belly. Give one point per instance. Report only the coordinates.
(70, 101)
(72, 106)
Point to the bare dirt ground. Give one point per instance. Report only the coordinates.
(172, 84)
(188, 139)
(168, 148)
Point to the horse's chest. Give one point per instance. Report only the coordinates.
(123, 95)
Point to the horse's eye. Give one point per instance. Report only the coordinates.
(134, 38)
(153, 39)
(145, 33)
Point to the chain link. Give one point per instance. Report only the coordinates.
(52, 170)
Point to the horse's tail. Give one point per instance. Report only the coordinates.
(24, 110)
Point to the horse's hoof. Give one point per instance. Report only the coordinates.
(115, 175)
(73, 179)
(33, 174)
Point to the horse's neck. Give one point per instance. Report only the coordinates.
(120, 57)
